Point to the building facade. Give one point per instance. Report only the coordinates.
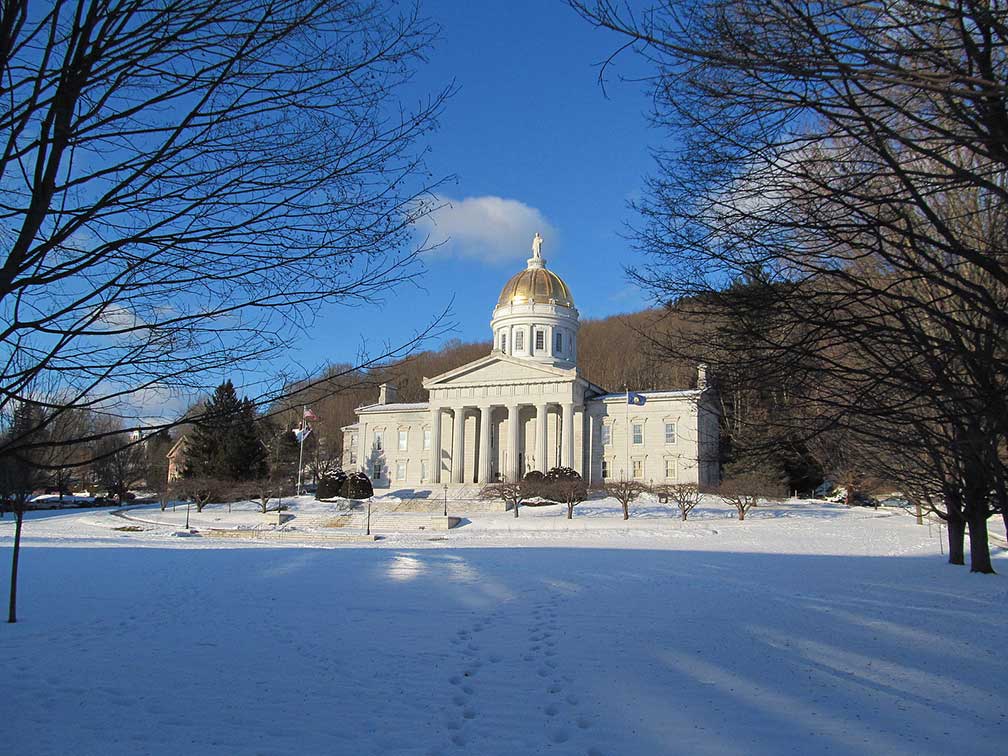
(526, 406)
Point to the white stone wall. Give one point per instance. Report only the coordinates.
(689, 458)
(510, 320)
(390, 459)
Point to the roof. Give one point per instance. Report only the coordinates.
(674, 394)
(535, 285)
(400, 407)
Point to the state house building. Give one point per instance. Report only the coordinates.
(526, 406)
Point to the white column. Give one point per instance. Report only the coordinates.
(567, 435)
(483, 470)
(435, 473)
(588, 444)
(458, 437)
(513, 473)
(541, 447)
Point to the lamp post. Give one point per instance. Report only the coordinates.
(187, 514)
(445, 499)
(368, 516)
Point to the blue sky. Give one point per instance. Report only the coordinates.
(535, 144)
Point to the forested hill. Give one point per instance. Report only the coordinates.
(614, 353)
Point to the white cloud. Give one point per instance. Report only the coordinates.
(492, 229)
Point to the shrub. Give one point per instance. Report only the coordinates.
(332, 485)
(565, 486)
(358, 486)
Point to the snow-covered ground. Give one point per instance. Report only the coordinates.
(808, 628)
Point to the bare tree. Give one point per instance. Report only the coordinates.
(841, 204)
(512, 494)
(186, 183)
(563, 485)
(625, 492)
(203, 491)
(745, 490)
(22, 469)
(119, 464)
(686, 497)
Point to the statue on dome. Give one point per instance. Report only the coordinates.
(537, 245)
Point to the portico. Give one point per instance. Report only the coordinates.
(526, 418)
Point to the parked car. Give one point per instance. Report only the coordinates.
(863, 500)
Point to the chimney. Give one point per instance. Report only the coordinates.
(386, 394)
(701, 376)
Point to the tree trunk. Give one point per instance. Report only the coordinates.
(682, 510)
(626, 510)
(980, 560)
(956, 534)
(570, 511)
(516, 509)
(12, 611)
(741, 514)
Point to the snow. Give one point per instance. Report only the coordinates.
(807, 628)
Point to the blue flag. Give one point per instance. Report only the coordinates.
(635, 399)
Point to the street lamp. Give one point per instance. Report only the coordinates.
(445, 499)
(187, 514)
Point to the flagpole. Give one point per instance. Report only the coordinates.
(301, 450)
(626, 464)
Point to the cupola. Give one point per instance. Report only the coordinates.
(535, 317)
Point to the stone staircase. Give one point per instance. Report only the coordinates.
(385, 522)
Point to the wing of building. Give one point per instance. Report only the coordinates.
(526, 406)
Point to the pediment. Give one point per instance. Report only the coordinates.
(497, 369)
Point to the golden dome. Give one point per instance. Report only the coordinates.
(536, 285)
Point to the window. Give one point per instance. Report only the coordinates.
(423, 471)
(400, 471)
(426, 438)
(670, 435)
(376, 471)
(540, 340)
(670, 469)
(559, 342)
(403, 439)
(638, 468)
(378, 441)
(605, 469)
(353, 457)
(606, 435)
(519, 341)
(638, 433)
(503, 342)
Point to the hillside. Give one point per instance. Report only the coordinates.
(614, 353)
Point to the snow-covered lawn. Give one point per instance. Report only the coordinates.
(808, 628)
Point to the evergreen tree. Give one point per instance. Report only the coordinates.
(226, 442)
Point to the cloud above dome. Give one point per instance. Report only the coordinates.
(488, 228)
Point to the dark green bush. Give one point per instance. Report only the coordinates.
(331, 486)
(358, 486)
